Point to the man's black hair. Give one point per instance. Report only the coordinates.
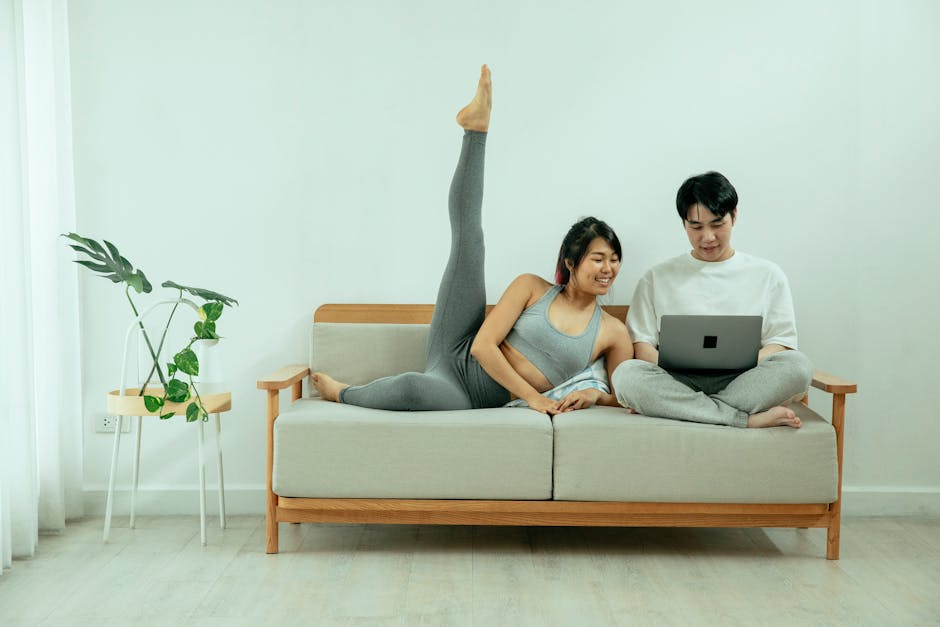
(711, 190)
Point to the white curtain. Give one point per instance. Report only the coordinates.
(40, 379)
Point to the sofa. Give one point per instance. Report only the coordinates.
(334, 463)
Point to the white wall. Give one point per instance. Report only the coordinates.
(292, 154)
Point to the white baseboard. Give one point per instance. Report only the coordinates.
(249, 499)
(890, 501)
(174, 500)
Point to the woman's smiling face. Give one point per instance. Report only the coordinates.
(598, 268)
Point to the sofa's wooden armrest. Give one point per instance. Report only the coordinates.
(833, 384)
(284, 377)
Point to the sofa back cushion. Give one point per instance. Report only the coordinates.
(358, 353)
(358, 343)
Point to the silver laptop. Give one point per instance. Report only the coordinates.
(709, 343)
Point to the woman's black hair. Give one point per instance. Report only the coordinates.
(575, 245)
(711, 190)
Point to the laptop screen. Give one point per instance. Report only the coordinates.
(709, 343)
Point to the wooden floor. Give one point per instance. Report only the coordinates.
(159, 574)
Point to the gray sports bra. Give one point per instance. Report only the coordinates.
(557, 355)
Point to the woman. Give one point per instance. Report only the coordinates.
(537, 336)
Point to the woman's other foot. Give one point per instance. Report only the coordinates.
(774, 417)
(328, 387)
(476, 115)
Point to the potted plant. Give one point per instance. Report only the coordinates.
(107, 261)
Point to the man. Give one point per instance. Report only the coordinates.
(714, 279)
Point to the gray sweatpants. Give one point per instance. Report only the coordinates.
(453, 378)
(721, 400)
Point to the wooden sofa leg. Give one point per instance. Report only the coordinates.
(271, 546)
(835, 510)
(832, 537)
(271, 517)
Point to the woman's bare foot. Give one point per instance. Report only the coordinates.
(328, 387)
(774, 417)
(476, 115)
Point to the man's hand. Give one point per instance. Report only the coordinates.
(769, 350)
(579, 400)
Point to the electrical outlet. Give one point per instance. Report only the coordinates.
(107, 424)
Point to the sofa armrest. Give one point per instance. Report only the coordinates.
(287, 377)
(284, 377)
(833, 384)
(838, 388)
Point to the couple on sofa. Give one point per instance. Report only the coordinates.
(541, 334)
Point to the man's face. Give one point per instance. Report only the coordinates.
(709, 235)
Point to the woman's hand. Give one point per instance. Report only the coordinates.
(579, 400)
(544, 405)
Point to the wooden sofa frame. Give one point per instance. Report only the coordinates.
(529, 513)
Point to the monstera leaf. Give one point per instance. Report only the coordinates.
(202, 293)
(107, 261)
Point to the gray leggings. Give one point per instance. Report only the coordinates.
(453, 378)
(722, 400)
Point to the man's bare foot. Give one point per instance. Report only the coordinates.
(328, 387)
(774, 417)
(476, 115)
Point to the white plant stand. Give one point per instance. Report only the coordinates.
(127, 402)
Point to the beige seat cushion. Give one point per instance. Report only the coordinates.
(331, 450)
(606, 454)
(360, 353)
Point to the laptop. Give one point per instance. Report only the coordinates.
(709, 344)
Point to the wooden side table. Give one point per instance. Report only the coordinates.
(131, 404)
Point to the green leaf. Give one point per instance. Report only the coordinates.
(169, 414)
(192, 412)
(84, 251)
(115, 254)
(205, 330)
(153, 403)
(85, 243)
(91, 265)
(207, 295)
(108, 263)
(135, 282)
(177, 391)
(147, 286)
(211, 311)
(171, 369)
(95, 246)
(187, 361)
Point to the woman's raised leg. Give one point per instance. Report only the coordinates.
(461, 299)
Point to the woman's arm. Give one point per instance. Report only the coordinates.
(619, 348)
(496, 327)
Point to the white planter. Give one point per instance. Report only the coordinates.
(211, 377)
